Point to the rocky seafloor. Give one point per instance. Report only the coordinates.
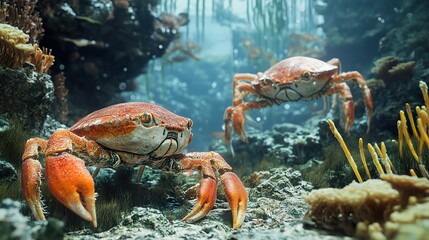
(276, 208)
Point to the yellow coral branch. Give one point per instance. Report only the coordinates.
(424, 87)
(386, 164)
(375, 159)
(385, 156)
(424, 116)
(411, 119)
(425, 139)
(406, 135)
(422, 131)
(400, 138)
(362, 156)
(345, 149)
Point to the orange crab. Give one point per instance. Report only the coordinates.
(293, 79)
(130, 134)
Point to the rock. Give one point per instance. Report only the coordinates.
(50, 125)
(280, 184)
(269, 216)
(31, 101)
(285, 143)
(13, 225)
(7, 172)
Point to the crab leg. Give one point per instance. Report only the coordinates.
(236, 116)
(348, 108)
(234, 189)
(241, 87)
(356, 76)
(31, 173)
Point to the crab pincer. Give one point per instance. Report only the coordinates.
(237, 197)
(71, 183)
(205, 202)
(235, 193)
(234, 189)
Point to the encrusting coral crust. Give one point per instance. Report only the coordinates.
(14, 49)
(375, 209)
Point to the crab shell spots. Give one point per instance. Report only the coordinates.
(119, 127)
(289, 69)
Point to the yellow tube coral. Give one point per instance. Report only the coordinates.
(424, 87)
(406, 135)
(362, 156)
(411, 119)
(345, 149)
(375, 159)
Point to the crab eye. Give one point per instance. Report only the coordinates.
(267, 80)
(306, 76)
(189, 123)
(146, 119)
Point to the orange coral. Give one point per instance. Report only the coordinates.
(23, 15)
(60, 94)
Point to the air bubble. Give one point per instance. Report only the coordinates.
(122, 86)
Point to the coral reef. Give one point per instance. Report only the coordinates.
(13, 46)
(23, 64)
(387, 203)
(23, 15)
(390, 70)
(380, 209)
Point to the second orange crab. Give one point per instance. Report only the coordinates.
(293, 79)
(130, 134)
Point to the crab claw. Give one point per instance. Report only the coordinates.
(206, 200)
(71, 183)
(237, 197)
(31, 173)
